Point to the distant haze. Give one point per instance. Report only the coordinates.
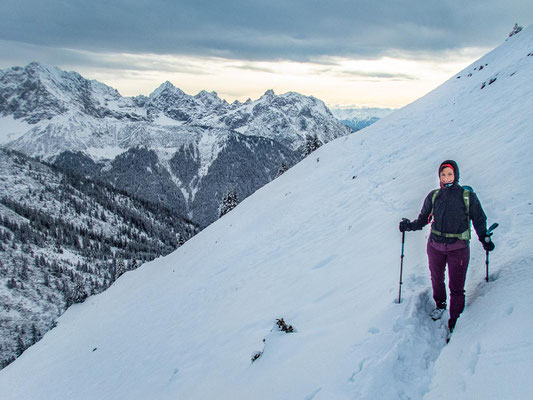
(361, 113)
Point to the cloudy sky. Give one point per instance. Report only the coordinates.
(348, 53)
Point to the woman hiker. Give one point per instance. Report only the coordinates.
(449, 210)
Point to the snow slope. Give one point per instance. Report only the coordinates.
(320, 247)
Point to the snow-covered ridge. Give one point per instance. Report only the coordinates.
(320, 248)
(97, 116)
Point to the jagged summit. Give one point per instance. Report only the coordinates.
(39, 92)
(212, 99)
(206, 94)
(167, 87)
(269, 93)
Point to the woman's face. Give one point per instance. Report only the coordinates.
(447, 176)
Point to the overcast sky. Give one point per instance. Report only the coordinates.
(374, 53)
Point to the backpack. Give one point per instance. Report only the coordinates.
(466, 197)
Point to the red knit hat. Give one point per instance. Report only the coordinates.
(446, 166)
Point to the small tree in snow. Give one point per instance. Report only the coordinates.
(282, 169)
(11, 283)
(515, 30)
(121, 268)
(283, 327)
(79, 294)
(229, 202)
(256, 356)
(311, 144)
(35, 334)
(20, 346)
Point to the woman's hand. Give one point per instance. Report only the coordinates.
(405, 225)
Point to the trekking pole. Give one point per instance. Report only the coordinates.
(489, 234)
(487, 264)
(401, 265)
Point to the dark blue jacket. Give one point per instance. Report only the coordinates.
(449, 214)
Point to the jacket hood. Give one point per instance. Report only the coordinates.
(455, 170)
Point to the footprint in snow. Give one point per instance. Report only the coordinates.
(399, 362)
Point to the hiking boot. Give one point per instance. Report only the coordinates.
(437, 313)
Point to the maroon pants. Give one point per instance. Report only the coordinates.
(456, 256)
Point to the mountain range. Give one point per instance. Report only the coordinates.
(185, 152)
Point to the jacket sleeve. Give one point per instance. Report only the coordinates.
(423, 217)
(477, 215)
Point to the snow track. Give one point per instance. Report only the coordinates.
(417, 343)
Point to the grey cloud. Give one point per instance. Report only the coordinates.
(15, 53)
(298, 30)
(377, 75)
(371, 75)
(249, 67)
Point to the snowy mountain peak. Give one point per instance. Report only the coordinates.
(37, 68)
(205, 94)
(210, 99)
(63, 83)
(167, 88)
(40, 92)
(269, 94)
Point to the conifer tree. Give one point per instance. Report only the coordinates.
(20, 346)
(282, 169)
(515, 30)
(312, 143)
(229, 202)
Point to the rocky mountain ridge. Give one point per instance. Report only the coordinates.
(49, 113)
(39, 95)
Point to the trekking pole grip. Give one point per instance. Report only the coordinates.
(489, 234)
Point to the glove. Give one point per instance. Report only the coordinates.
(487, 243)
(405, 225)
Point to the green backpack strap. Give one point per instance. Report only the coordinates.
(433, 197)
(435, 193)
(466, 198)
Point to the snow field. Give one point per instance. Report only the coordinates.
(320, 247)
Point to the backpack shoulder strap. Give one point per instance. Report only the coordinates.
(466, 198)
(433, 197)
